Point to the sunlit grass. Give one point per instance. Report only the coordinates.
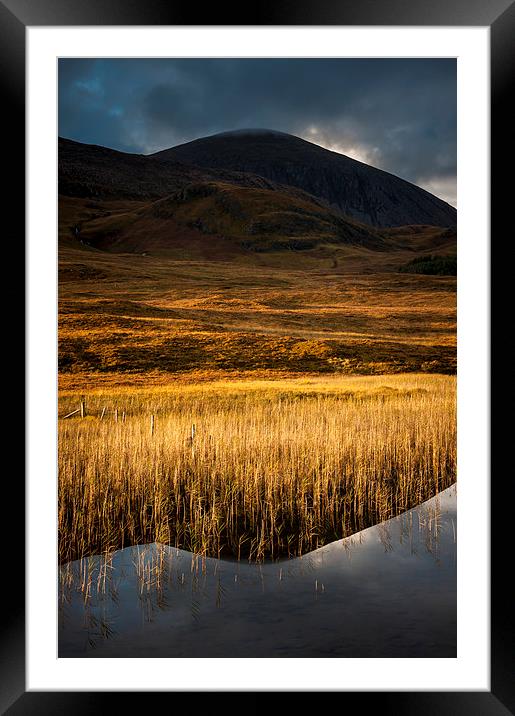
(250, 469)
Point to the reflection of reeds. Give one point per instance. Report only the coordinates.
(152, 569)
(104, 573)
(97, 628)
(385, 537)
(419, 527)
(92, 578)
(430, 524)
(150, 566)
(270, 470)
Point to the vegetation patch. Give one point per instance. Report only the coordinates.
(431, 265)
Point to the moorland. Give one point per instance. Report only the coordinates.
(259, 372)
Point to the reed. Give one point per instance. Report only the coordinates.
(252, 470)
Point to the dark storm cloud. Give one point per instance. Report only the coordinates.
(396, 114)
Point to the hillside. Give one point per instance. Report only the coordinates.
(173, 272)
(234, 218)
(360, 191)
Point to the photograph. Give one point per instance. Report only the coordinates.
(257, 353)
(257, 357)
(258, 249)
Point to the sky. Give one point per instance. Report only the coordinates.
(395, 114)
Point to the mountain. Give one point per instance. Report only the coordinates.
(356, 189)
(137, 204)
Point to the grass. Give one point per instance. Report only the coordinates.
(150, 318)
(275, 468)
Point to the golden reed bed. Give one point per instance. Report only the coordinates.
(251, 470)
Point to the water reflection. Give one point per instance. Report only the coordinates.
(387, 591)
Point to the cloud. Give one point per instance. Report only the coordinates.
(396, 114)
(444, 187)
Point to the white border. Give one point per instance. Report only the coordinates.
(470, 670)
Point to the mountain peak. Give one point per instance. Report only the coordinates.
(364, 193)
(251, 132)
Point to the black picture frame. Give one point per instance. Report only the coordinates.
(499, 15)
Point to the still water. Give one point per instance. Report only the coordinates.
(388, 591)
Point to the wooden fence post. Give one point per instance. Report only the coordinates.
(152, 424)
(82, 408)
(74, 412)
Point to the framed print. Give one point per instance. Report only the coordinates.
(257, 427)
